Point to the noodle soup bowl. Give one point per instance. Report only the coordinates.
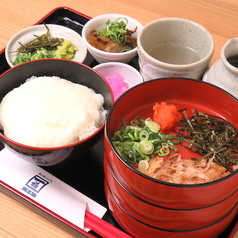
(97, 23)
(154, 202)
(66, 69)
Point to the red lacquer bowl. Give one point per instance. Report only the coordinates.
(139, 229)
(163, 217)
(143, 190)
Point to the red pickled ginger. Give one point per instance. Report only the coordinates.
(166, 115)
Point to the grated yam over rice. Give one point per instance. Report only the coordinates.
(51, 112)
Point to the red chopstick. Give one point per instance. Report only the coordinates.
(102, 227)
(234, 231)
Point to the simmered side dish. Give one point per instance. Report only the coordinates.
(114, 37)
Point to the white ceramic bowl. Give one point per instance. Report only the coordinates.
(101, 56)
(26, 35)
(131, 76)
(181, 34)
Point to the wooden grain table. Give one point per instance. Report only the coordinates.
(220, 17)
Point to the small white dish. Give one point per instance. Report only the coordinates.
(97, 23)
(26, 35)
(131, 75)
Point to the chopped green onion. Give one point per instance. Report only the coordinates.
(144, 135)
(154, 127)
(164, 150)
(136, 141)
(115, 30)
(146, 147)
(143, 165)
(137, 121)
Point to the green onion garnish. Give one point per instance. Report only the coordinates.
(141, 140)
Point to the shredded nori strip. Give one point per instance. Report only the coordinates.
(210, 136)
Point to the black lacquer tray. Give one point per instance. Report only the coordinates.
(84, 174)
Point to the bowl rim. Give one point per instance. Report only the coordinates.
(62, 28)
(107, 132)
(3, 137)
(106, 17)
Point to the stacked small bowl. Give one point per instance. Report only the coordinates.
(146, 207)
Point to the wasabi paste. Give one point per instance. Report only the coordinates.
(66, 51)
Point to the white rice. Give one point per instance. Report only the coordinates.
(51, 111)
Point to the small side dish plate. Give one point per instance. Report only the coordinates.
(28, 34)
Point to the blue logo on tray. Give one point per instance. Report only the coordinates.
(34, 185)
